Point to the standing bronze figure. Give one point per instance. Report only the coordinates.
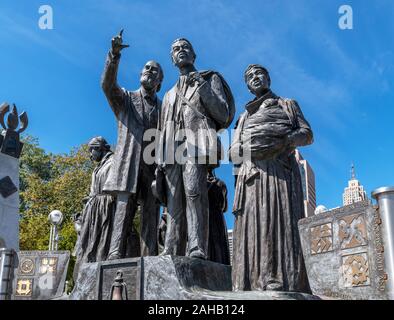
(193, 111)
(98, 213)
(131, 174)
(268, 196)
(218, 246)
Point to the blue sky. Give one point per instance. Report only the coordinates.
(342, 79)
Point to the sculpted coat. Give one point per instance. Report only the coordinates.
(185, 107)
(131, 174)
(128, 108)
(194, 112)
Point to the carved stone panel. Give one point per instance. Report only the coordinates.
(355, 269)
(321, 238)
(48, 265)
(24, 287)
(343, 252)
(131, 269)
(40, 275)
(27, 266)
(352, 231)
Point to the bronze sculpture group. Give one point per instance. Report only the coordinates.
(268, 194)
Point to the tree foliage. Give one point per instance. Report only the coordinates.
(51, 182)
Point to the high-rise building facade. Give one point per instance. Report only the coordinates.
(354, 192)
(308, 184)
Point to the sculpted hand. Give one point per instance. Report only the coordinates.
(117, 43)
(194, 78)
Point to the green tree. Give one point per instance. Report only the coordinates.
(50, 182)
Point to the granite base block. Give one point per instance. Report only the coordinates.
(168, 278)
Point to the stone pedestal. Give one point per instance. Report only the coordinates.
(183, 278)
(9, 202)
(344, 252)
(167, 278)
(148, 278)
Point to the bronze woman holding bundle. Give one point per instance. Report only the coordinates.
(268, 197)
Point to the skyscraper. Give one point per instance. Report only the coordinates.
(308, 184)
(354, 192)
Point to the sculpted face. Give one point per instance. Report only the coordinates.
(96, 153)
(257, 81)
(182, 53)
(151, 75)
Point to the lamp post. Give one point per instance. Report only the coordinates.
(56, 218)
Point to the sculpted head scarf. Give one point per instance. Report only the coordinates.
(99, 142)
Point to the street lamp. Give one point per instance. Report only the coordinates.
(55, 218)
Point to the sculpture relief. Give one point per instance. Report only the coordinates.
(352, 231)
(321, 238)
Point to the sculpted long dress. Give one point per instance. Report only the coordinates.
(97, 217)
(268, 197)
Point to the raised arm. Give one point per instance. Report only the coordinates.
(109, 84)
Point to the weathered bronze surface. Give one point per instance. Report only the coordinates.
(131, 176)
(198, 105)
(10, 144)
(268, 195)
